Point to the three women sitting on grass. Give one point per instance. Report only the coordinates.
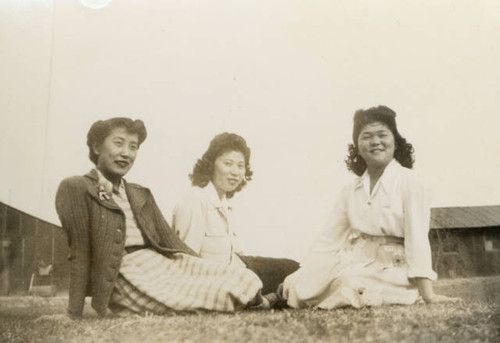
(373, 251)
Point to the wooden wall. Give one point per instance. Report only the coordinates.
(466, 252)
(26, 241)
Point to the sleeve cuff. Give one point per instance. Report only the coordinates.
(414, 272)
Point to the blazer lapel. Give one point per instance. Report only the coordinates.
(93, 190)
(136, 197)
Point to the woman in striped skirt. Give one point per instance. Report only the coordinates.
(123, 252)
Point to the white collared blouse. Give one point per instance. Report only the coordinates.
(202, 221)
(398, 206)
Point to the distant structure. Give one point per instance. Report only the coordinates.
(27, 246)
(465, 241)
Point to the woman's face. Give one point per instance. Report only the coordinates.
(376, 145)
(229, 170)
(116, 155)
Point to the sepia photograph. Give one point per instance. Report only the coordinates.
(249, 171)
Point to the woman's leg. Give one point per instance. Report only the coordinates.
(271, 271)
(185, 283)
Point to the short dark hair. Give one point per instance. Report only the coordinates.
(101, 129)
(225, 142)
(403, 152)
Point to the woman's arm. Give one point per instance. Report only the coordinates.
(167, 234)
(73, 213)
(189, 222)
(416, 220)
(333, 235)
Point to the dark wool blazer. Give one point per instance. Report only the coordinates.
(96, 236)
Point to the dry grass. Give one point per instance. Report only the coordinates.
(477, 319)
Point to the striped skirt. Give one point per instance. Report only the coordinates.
(149, 282)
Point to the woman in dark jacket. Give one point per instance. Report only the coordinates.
(123, 252)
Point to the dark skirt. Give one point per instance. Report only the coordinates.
(271, 271)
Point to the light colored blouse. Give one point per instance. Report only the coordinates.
(202, 221)
(398, 206)
(133, 235)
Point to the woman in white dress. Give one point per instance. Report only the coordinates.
(374, 249)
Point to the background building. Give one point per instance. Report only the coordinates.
(27, 243)
(466, 240)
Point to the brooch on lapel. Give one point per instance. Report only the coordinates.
(103, 195)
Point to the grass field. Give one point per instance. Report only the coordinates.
(476, 319)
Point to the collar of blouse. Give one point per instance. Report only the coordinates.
(385, 181)
(211, 194)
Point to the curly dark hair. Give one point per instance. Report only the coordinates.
(403, 152)
(101, 129)
(204, 168)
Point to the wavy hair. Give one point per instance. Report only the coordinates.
(403, 152)
(203, 170)
(101, 129)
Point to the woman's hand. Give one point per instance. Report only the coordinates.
(427, 292)
(438, 298)
(55, 318)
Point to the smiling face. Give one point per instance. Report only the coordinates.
(229, 170)
(376, 145)
(116, 155)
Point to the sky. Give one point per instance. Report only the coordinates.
(286, 75)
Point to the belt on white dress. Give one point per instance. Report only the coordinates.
(383, 239)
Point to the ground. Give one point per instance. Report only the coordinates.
(475, 319)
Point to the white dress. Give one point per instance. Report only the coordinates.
(371, 248)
